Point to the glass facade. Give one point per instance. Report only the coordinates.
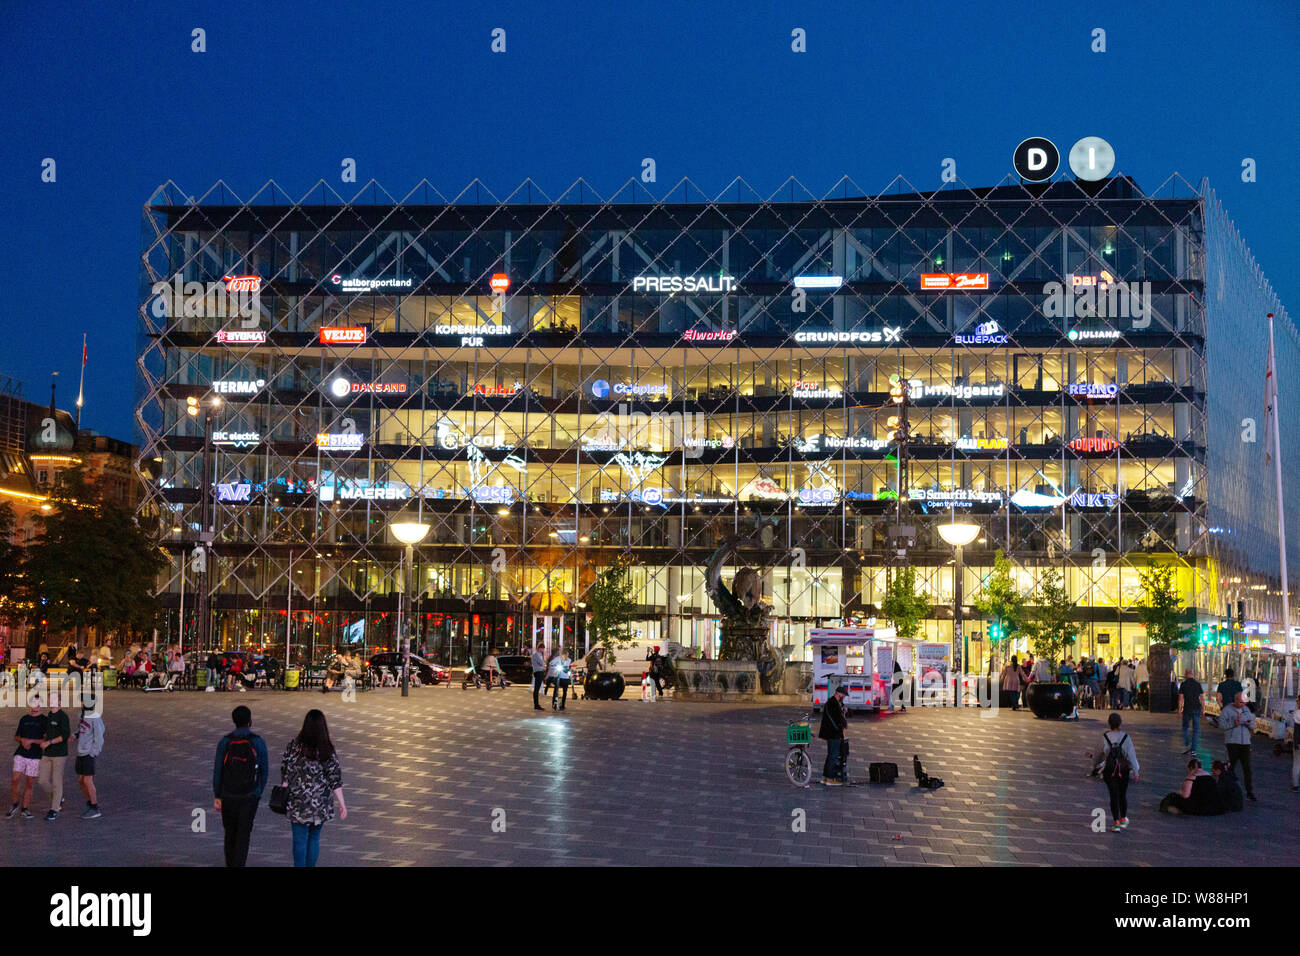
(552, 385)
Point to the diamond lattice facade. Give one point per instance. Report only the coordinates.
(556, 383)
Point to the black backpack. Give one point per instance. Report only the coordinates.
(1117, 764)
(239, 768)
(1089, 669)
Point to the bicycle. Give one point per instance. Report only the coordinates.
(798, 764)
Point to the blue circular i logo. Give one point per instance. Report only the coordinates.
(600, 388)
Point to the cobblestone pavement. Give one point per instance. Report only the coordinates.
(626, 782)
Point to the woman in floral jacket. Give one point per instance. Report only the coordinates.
(311, 771)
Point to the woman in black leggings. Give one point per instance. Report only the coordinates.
(1118, 764)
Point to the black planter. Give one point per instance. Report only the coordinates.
(1051, 700)
(604, 685)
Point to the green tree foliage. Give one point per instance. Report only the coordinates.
(612, 600)
(904, 605)
(1161, 610)
(1052, 629)
(91, 565)
(1002, 606)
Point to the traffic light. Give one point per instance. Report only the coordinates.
(996, 631)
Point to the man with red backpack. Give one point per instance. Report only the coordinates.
(238, 779)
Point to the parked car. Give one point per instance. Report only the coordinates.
(428, 672)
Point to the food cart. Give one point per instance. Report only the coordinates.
(845, 656)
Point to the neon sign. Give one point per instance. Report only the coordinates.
(809, 390)
(238, 439)
(708, 335)
(350, 284)
(887, 334)
(234, 491)
(937, 281)
(1094, 444)
(499, 282)
(690, 284)
(497, 391)
(1092, 391)
(344, 335)
(342, 387)
(340, 441)
(981, 444)
(238, 387)
(241, 337)
(242, 283)
(920, 391)
(986, 333)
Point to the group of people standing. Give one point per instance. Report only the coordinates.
(557, 673)
(43, 742)
(1117, 683)
(310, 774)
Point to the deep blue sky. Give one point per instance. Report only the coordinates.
(112, 92)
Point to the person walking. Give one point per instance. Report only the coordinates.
(559, 672)
(1067, 674)
(539, 673)
(238, 778)
(1118, 764)
(1010, 685)
(1191, 708)
(1239, 722)
(27, 758)
(1026, 678)
(1228, 688)
(310, 770)
(831, 730)
(55, 755)
(656, 669)
(90, 744)
(1127, 684)
(1142, 680)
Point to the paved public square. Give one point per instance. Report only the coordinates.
(634, 783)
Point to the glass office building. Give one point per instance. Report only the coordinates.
(555, 383)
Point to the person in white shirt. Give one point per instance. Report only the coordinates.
(1043, 671)
(1127, 684)
(539, 674)
(1118, 765)
(559, 672)
(1142, 677)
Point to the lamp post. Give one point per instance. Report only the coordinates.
(410, 533)
(206, 535)
(959, 534)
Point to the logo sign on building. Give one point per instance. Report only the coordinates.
(493, 494)
(764, 488)
(692, 285)
(242, 283)
(818, 282)
(351, 284)
(344, 335)
(342, 387)
(602, 389)
(472, 336)
(1092, 158)
(823, 443)
(708, 335)
(986, 333)
(238, 386)
(818, 497)
(919, 391)
(1093, 335)
(831, 337)
(1082, 390)
(1085, 499)
(234, 491)
(1036, 159)
(981, 444)
(1094, 445)
(497, 391)
(499, 282)
(241, 337)
(815, 390)
(340, 441)
(943, 281)
(956, 498)
(237, 439)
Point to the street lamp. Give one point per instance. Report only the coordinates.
(959, 534)
(206, 522)
(410, 533)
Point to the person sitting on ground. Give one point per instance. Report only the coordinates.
(1229, 788)
(1199, 797)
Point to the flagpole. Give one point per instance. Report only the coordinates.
(1281, 512)
(82, 384)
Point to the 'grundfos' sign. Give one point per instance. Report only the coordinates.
(692, 285)
(832, 337)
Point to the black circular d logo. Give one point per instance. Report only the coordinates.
(1036, 159)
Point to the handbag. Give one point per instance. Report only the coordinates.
(279, 799)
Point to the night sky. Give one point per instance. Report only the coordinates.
(113, 93)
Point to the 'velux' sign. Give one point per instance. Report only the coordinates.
(344, 335)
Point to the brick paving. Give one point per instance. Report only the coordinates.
(634, 783)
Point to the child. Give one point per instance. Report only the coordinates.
(90, 741)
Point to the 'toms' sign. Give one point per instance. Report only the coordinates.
(499, 282)
(344, 335)
(935, 281)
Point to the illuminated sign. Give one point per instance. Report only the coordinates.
(1084, 499)
(708, 335)
(493, 495)
(920, 392)
(955, 498)
(499, 282)
(1092, 391)
(818, 496)
(601, 389)
(364, 490)
(1086, 335)
(341, 387)
(1094, 444)
(850, 338)
(340, 441)
(764, 488)
(726, 441)
(234, 491)
(691, 284)
(497, 391)
(986, 333)
(238, 439)
(242, 283)
(981, 444)
(238, 387)
(821, 443)
(241, 336)
(936, 281)
(818, 282)
(349, 284)
(344, 335)
(1032, 499)
(807, 390)
(472, 336)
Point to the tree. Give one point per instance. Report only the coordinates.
(904, 605)
(92, 565)
(1052, 629)
(1161, 610)
(612, 599)
(1002, 606)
